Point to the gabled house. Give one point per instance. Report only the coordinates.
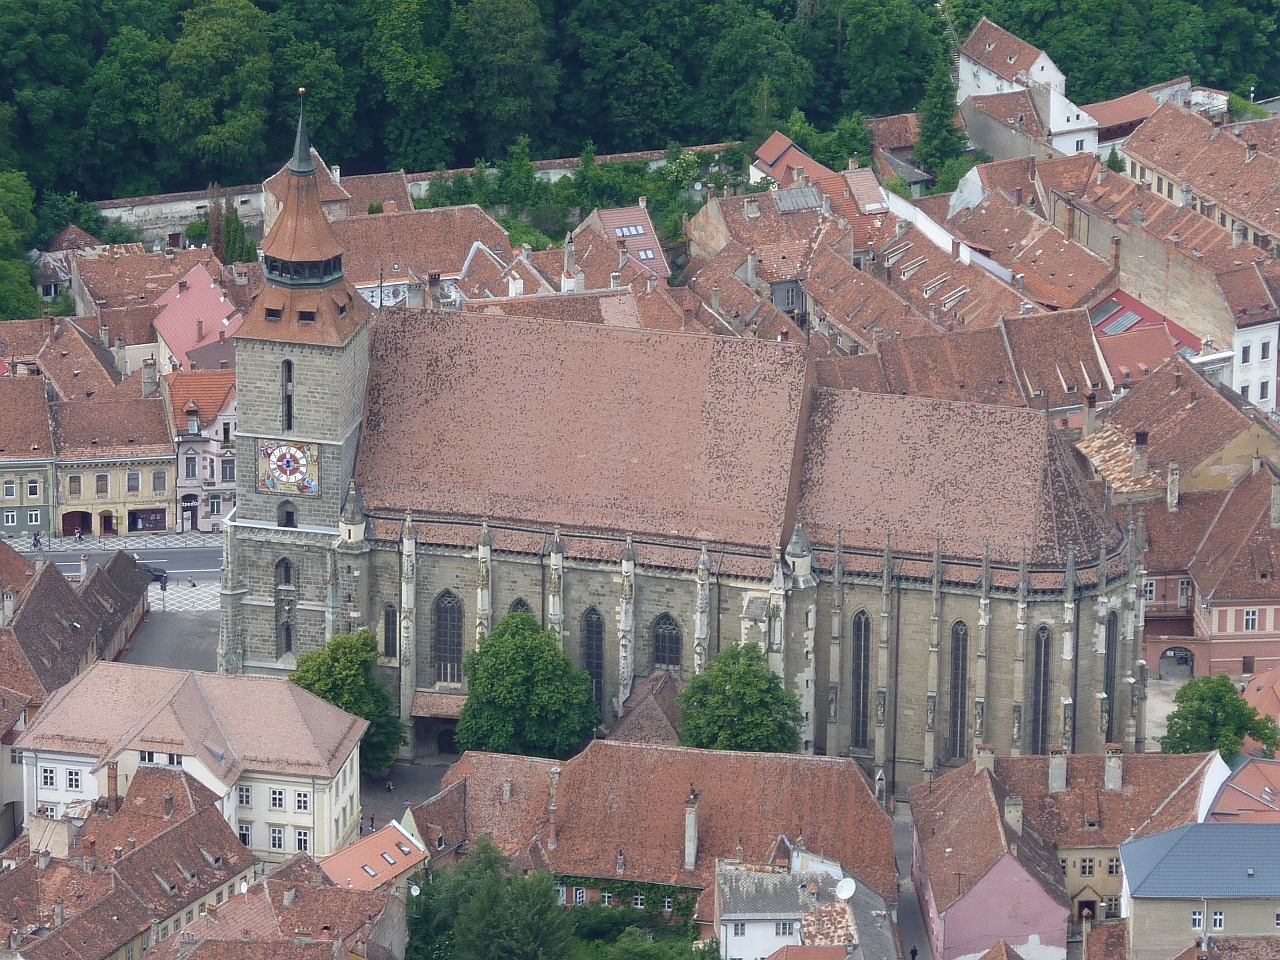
(195, 314)
(26, 459)
(202, 410)
(390, 858)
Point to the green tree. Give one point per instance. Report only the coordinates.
(761, 77)
(236, 246)
(939, 142)
(738, 703)
(17, 219)
(524, 694)
(888, 56)
(18, 298)
(1211, 715)
(1114, 163)
(342, 674)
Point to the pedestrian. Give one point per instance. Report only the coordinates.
(35, 541)
(193, 581)
(914, 951)
(371, 821)
(390, 787)
(80, 535)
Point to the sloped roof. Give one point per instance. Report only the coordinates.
(391, 190)
(1015, 110)
(211, 392)
(999, 50)
(195, 312)
(973, 366)
(1252, 792)
(1056, 357)
(1239, 558)
(122, 276)
(395, 247)
(633, 227)
(651, 714)
(25, 430)
(375, 860)
(1205, 860)
(109, 427)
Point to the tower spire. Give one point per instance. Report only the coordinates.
(302, 165)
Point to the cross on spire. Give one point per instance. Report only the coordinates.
(302, 165)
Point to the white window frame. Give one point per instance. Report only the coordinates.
(33, 488)
(33, 517)
(1251, 620)
(606, 898)
(244, 795)
(49, 777)
(244, 830)
(302, 801)
(73, 779)
(1219, 920)
(276, 797)
(637, 901)
(579, 896)
(784, 928)
(11, 518)
(10, 489)
(1148, 590)
(1197, 920)
(739, 928)
(1086, 866)
(562, 894)
(276, 838)
(1184, 591)
(302, 839)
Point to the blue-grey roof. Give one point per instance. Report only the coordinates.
(798, 198)
(1238, 860)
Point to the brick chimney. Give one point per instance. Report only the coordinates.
(1115, 253)
(1173, 490)
(1237, 234)
(113, 787)
(752, 263)
(553, 829)
(986, 758)
(1071, 216)
(150, 378)
(1013, 814)
(1090, 414)
(1113, 775)
(1251, 151)
(1140, 469)
(1057, 768)
(691, 830)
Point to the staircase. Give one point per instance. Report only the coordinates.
(953, 40)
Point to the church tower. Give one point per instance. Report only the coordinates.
(301, 371)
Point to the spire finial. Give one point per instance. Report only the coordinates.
(302, 165)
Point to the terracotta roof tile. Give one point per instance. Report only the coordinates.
(1130, 108)
(391, 190)
(1239, 558)
(207, 392)
(329, 190)
(967, 365)
(898, 132)
(633, 226)
(25, 430)
(1108, 941)
(78, 365)
(389, 853)
(1056, 357)
(1015, 110)
(72, 237)
(860, 372)
(1133, 354)
(195, 312)
(120, 279)
(780, 158)
(103, 428)
(1173, 538)
(999, 50)
(420, 243)
(858, 304)
(1252, 792)
(16, 571)
(132, 324)
(651, 714)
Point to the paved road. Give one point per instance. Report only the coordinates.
(910, 920)
(184, 641)
(413, 783)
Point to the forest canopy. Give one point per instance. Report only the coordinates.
(115, 98)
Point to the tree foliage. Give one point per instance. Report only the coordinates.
(1211, 715)
(342, 674)
(939, 141)
(738, 703)
(524, 695)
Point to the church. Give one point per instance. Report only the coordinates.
(926, 576)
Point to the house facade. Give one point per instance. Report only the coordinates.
(26, 459)
(202, 410)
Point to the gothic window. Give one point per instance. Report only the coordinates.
(1040, 687)
(1109, 664)
(593, 650)
(520, 605)
(284, 638)
(959, 690)
(389, 631)
(666, 641)
(286, 514)
(286, 395)
(448, 638)
(284, 573)
(861, 685)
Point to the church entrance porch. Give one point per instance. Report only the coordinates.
(435, 723)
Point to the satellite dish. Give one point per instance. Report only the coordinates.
(414, 889)
(846, 887)
(244, 886)
(697, 185)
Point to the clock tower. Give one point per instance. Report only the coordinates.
(301, 370)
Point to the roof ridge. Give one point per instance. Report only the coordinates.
(293, 688)
(1205, 760)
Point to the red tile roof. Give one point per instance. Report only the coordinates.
(1056, 357)
(1239, 558)
(72, 237)
(781, 160)
(25, 429)
(999, 50)
(394, 247)
(965, 365)
(108, 428)
(329, 190)
(1252, 792)
(210, 391)
(651, 714)
(1134, 353)
(1129, 108)
(121, 277)
(898, 132)
(195, 312)
(634, 228)
(375, 861)
(390, 190)
(1015, 110)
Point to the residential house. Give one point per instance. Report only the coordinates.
(631, 229)
(980, 872)
(893, 142)
(1197, 882)
(284, 764)
(53, 266)
(164, 218)
(1135, 339)
(783, 161)
(202, 412)
(1120, 117)
(557, 816)
(26, 459)
(115, 466)
(116, 880)
(390, 858)
(195, 314)
(294, 913)
(1252, 793)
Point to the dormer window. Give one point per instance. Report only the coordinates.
(274, 314)
(306, 316)
(193, 423)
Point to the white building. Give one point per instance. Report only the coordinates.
(284, 764)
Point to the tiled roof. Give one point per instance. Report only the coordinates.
(633, 226)
(77, 364)
(1132, 354)
(395, 247)
(621, 811)
(579, 391)
(1263, 693)
(1158, 791)
(1265, 133)
(72, 237)
(1010, 176)
(1244, 948)
(962, 835)
(25, 430)
(328, 189)
(132, 324)
(1173, 538)
(210, 391)
(1111, 451)
(804, 952)
(391, 190)
(1015, 110)
(107, 428)
(781, 159)
(195, 312)
(1108, 941)
(444, 705)
(15, 569)
(1130, 108)
(1056, 357)
(113, 706)
(857, 303)
(860, 372)
(967, 365)
(1205, 860)
(375, 860)
(898, 132)
(51, 634)
(895, 450)
(1001, 951)
(999, 50)
(121, 279)
(1239, 558)
(616, 308)
(115, 591)
(1252, 792)
(651, 714)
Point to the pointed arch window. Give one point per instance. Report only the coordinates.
(667, 642)
(286, 395)
(1109, 665)
(284, 637)
(1041, 684)
(390, 632)
(284, 572)
(593, 651)
(520, 605)
(448, 623)
(861, 685)
(959, 690)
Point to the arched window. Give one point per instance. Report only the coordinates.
(1040, 687)
(286, 514)
(284, 572)
(861, 685)
(520, 605)
(285, 638)
(666, 641)
(390, 631)
(448, 638)
(286, 395)
(1109, 664)
(593, 650)
(959, 690)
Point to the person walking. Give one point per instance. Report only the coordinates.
(914, 951)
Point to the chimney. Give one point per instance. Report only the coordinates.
(615, 280)
(199, 329)
(1173, 490)
(1113, 776)
(986, 758)
(104, 335)
(1102, 173)
(570, 262)
(211, 911)
(84, 567)
(116, 853)
(515, 285)
(579, 280)
(1251, 151)
(1017, 196)
(622, 254)
(120, 354)
(644, 202)
(1071, 216)
(853, 163)
(1013, 814)
(133, 843)
(1020, 280)
(1237, 234)
(336, 173)
(1115, 253)
(168, 804)
(1257, 464)
(1139, 454)
(826, 205)
(42, 862)
(289, 897)
(955, 248)
(182, 287)
(553, 833)
(752, 263)
(59, 913)
(6, 610)
(150, 380)
(715, 297)
(113, 787)
(1057, 768)
(1139, 218)
(691, 830)
(1090, 414)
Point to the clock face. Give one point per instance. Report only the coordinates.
(288, 467)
